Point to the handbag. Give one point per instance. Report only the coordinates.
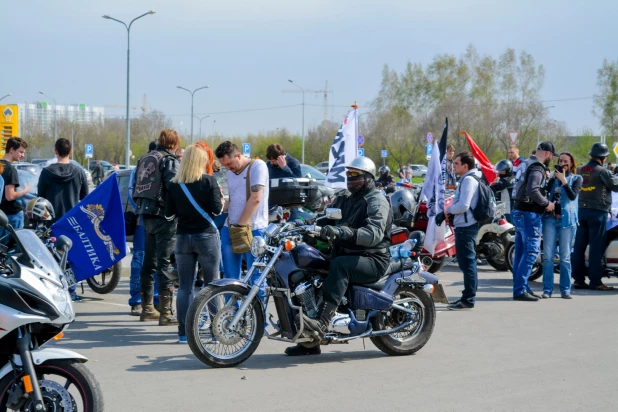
(241, 236)
(197, 207)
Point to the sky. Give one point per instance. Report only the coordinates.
(246, 51)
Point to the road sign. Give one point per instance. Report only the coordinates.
(361, 140)
(9, 123)
(361, 151)
(428, 149)
(513, 136)
(246, 149)
(384, 154)
(616, 149)
(429, 137)
(89, 151)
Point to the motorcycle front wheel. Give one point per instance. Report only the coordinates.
(209, 336)
(414, 336)
(106, 281)
(66, 385)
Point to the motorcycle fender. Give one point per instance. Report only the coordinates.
(42, 355)
(492, 228)
(227, 282)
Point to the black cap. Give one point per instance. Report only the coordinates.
(548, 147)
(152, 146)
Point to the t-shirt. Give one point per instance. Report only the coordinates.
(10, 176)
(238, 194)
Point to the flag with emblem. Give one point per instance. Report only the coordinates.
(343, 151)
(96, 227)
(433, 195)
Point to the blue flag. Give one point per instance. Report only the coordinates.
(96, 227)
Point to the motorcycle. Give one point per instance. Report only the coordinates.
(225, 322)
(35, 308)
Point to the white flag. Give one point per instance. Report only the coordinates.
(343, 151)
(433, 194)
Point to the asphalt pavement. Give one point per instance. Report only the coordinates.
(551, 355)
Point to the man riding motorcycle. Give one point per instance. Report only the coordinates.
(361, 239)
(386, 181)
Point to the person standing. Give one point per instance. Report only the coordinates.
(515, 158)
(195, 198)
(466, 227)
(155, 171)
(560, 224)
(115, 167)
(530, 204)
(503, 187)
(179, 153)
(281, 164)
(595, 201)
(63, 184)
(15, 151)
(451, 176)
(97, 174)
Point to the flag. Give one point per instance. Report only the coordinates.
(486, 167)
(433, 194)
(96, 227)
(443, 140)
(343, 151)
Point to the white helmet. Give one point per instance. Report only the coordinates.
(365, 164)
(39, 209)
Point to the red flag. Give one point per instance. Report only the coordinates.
(486, 167)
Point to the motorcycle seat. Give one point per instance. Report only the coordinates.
(393, 267)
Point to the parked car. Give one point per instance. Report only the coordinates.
(40, 162)
(419, 170)
(30, 167)
(314, 173)
(322, 167)
(107, 166)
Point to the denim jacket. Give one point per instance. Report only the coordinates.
(568, 207)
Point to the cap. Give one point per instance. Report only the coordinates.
(548, 147)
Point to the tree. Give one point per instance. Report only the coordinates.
(606, 101)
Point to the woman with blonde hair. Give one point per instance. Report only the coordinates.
(194, 198)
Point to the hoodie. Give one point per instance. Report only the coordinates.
(64, 185)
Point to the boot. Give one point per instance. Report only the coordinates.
(300, 350)
(148, 310)
(166, 297)
(321, 324)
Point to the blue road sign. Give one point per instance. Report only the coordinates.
(89, 150)
(361, 140)
(384, 153)
(361, 151)
(428, 149)
(246, 149)
(429, 137)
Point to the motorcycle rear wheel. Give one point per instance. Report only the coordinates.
(106, 281)
(537, 268)
(411, 339)
(206, 326)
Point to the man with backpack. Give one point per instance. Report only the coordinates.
(462, 215)
(531, 202)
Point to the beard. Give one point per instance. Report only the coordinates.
(547, 161)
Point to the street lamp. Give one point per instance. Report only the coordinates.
(192, 93)
(5, 96)
(213, 132)
(128, 127)
(538, 132)
(302, 160)
(201, 118)
(55, 117)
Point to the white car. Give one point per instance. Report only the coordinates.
(419, 170)
(322, 167)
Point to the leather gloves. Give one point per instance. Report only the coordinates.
(332, 232)
(440, 217)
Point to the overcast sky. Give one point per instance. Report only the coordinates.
(246, 50)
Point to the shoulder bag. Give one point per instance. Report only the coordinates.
(241, 236)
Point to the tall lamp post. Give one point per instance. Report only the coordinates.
(302, 160)
(192, 93)
(538, 132)
(213, 132)
(55, 117)
(201, 118)
(7, 95)
(128, 121)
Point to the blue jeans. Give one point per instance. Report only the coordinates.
(189, 249)
(527, 248)
(552, 232)
(466, 258)
(16, 221)
(136, 267)
(232, 262)
(591, 230)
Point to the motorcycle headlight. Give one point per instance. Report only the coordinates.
(62, 299)
(258, 246)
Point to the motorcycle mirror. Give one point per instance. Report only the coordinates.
(4, 220)
(333, 213)
(64, 243)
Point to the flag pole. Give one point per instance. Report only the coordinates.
(355, 107)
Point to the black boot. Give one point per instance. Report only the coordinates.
(300, 350)
(321, 324)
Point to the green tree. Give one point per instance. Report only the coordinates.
(606, 101)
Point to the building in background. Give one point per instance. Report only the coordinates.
(42, 114)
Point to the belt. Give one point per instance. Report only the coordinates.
(354, 251)
(557, 216)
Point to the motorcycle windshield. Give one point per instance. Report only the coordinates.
(39, 255)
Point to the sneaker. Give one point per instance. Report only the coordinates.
(566, 296)
(182, 339)
(545, 295)
(136, 310)
(459, 305)
(76, 298)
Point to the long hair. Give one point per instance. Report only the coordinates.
(169, 139)
(211, 158)
(192, 165)
(573, 168)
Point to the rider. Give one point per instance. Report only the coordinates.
(503, 187)
(362, 238)
(386, 180)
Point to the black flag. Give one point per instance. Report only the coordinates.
(443, 140)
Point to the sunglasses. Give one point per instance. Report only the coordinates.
(353, 174)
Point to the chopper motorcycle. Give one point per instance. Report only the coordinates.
(225, 322)
(35, 308)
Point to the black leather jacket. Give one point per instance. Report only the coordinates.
(387, 181)
(596, 185)
(151, 207)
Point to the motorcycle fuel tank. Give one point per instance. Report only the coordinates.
(302, 258)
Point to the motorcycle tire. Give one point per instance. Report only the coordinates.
(537, 268)
(73, 373)
(106, 281)
(394, 345)
(193, 328)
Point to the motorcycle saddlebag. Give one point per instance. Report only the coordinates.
(289, 191)
(365, 298)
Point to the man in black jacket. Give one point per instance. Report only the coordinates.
(530, 204)
(595, 202)
(281, 164)
(386, 181)
(155, 171)
(361, 239)
(97, 174)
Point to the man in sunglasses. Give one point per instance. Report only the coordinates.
(360, 240)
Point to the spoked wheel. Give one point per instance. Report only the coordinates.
(537, 268)
(66, 385)
(500, 263)
(413, 337)
(209, 334)
(106, 281)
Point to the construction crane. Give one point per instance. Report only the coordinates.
(324, 90)
(144, 106)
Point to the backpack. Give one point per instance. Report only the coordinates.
(485, 208)
(148, 177)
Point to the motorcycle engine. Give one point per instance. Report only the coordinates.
(309, 297)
